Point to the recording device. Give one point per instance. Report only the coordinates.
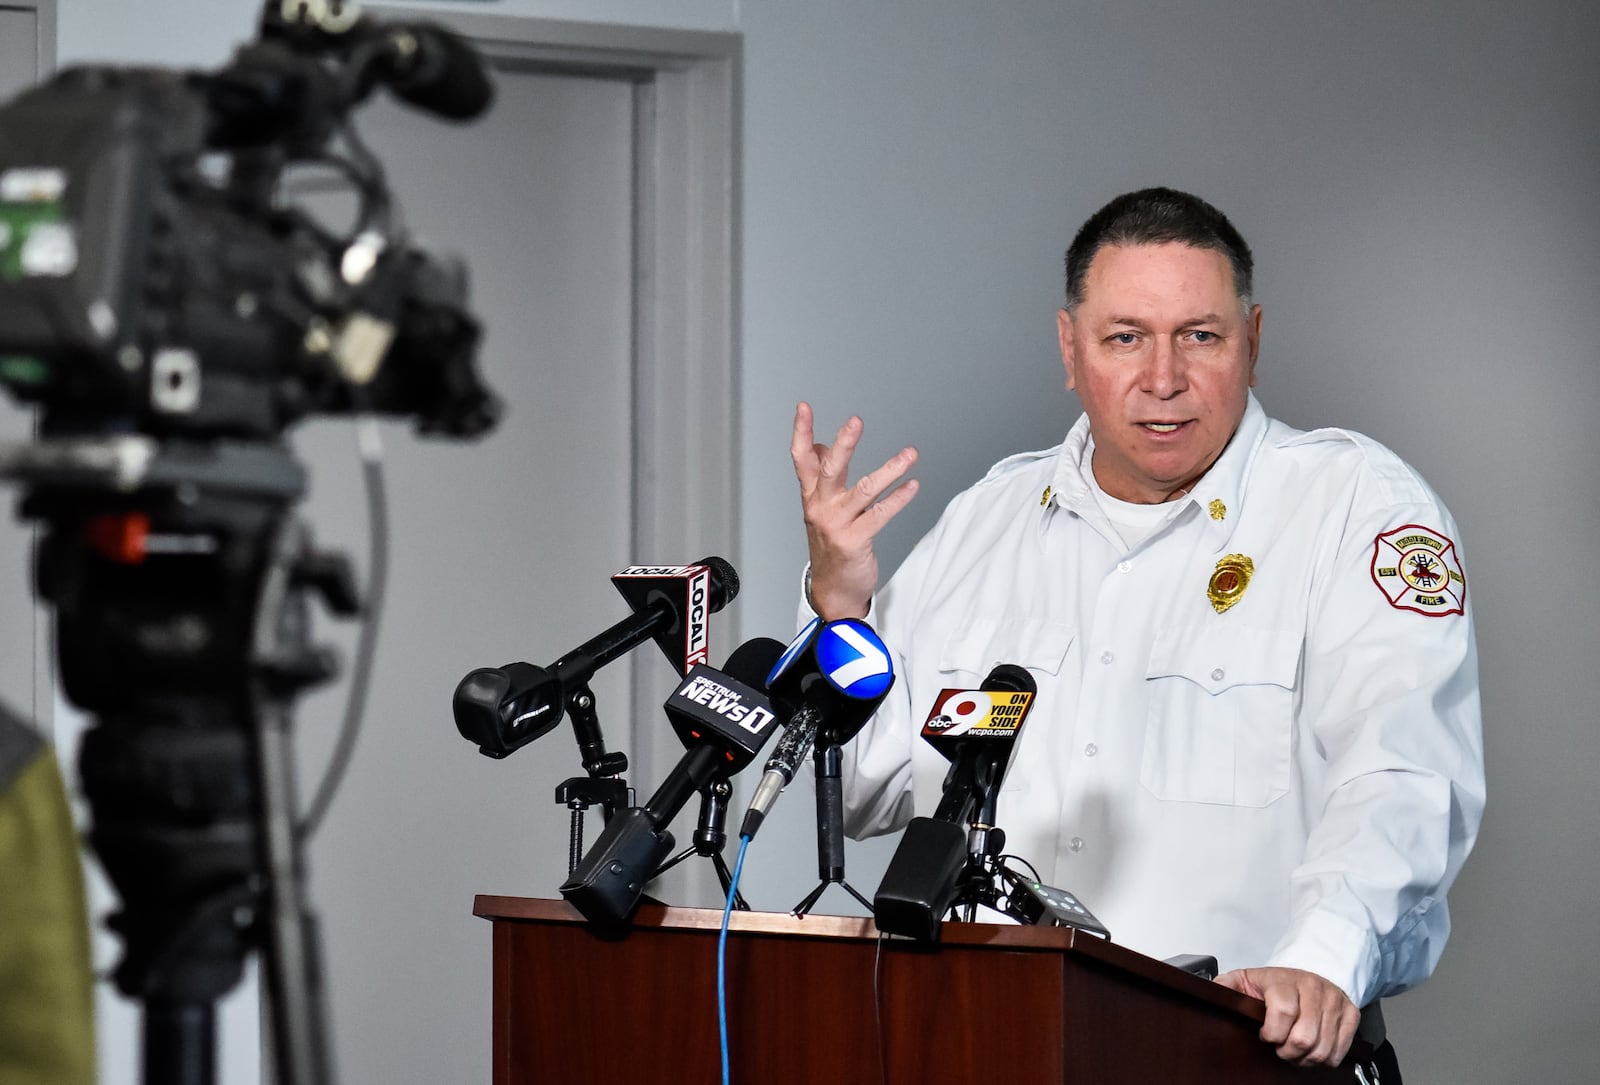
(171, 311)
(723, 719)
(154, 281)
(940, 856)
(502, 709)
(831, 679)
(1032, 902)
(920, 883)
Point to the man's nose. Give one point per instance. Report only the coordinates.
(1164, 373)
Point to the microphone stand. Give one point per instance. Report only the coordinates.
(830, 828)
(978, 879)
(604, 786)
(710, 834)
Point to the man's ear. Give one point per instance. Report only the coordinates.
(1255, 340)
(1069, 352)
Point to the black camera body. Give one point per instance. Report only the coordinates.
(155, 278)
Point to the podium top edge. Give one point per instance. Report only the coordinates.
(1007, 937)
(652, 916)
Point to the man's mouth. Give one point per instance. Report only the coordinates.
(1162, 427)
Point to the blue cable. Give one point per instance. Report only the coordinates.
(722, 958)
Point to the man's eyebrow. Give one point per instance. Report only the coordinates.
(1194, 321)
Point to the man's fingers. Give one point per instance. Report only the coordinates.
(874, 484)
(1238, 980)
(834, 462)
(1324, 1020)
(1349, 1021)
(1304, 1036)
(803, 449)
(1308, 1020)
(1337, 1029)
(1283, 1012)
(884, 511)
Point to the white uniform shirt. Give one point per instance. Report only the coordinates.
(1293, 781)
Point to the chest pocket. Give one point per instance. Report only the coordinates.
(1040, 646)
(1221, 715)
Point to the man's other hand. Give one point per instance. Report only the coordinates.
(841, 520)
(1309, 1020)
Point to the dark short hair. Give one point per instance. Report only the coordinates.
(1155, 216)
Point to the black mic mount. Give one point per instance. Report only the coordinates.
(710, 837)
(724, 719)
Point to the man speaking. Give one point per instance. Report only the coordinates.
(1257, 732)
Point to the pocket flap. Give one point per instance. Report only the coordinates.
(1216, 660)
(1033, 643)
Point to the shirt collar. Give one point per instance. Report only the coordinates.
(1219, 495)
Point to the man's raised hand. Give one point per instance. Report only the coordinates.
(841, 519)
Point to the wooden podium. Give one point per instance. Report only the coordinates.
(822, 1001)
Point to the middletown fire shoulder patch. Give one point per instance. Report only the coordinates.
(1417, 569)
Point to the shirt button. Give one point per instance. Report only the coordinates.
(1124, 566)
(1216, 675)
(1090, 750)
(1075, 844)
(1108, 657)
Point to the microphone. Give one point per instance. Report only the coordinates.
(976, 730)
(434, 69)
(504, 708)
(281, 83)
(723, 719)
(831, 679)
(692, 591)
(726, 708)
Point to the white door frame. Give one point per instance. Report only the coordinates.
(44, 45)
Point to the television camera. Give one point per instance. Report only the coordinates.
(170, 310)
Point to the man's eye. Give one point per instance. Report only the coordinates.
(1203, 336)
(1123, 339)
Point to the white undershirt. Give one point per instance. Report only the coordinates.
(1133, 523)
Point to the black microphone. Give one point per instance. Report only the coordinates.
(281, 85)
(831, 679)
(434, 69)
(976, 730)
(504, 708)
(723, 719)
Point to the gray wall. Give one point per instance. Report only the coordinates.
(1420, 186)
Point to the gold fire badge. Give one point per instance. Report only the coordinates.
(1229, 581)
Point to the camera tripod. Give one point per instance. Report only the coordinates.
(180, 580)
